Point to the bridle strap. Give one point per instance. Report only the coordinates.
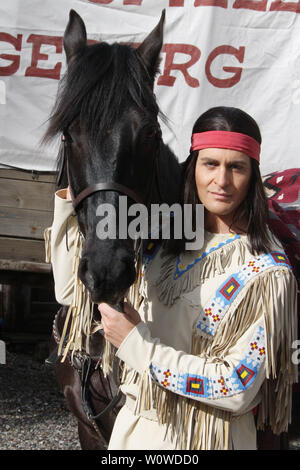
(87, 371)
(94, 188)
(108, 186)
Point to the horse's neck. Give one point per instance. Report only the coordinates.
(169, 177)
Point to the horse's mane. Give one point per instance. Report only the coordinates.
(97, 87)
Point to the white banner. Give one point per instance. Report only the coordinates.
(243, 53)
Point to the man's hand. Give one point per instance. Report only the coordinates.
(118, 325)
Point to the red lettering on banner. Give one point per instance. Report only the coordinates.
(176, 3)
(15, 59)
(170, 50)
(212, 3)
(33, 70)
(192, 52)
(225, 82)
(278, 5)
(251, 4)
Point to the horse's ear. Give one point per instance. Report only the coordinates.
(74, 36)
(151, 46)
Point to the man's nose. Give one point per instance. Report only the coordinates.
(222, 177)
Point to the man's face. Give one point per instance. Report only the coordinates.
(222, 181)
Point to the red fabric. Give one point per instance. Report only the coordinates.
(283, 191)
(226, 140)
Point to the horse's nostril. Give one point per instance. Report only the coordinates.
(85, 274)
(92, 276)
(82, 268)
(90, 280)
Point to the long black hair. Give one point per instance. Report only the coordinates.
(95, 89)
(254, 208)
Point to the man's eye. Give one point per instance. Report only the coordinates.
(236, 167)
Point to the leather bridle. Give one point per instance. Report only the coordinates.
(108, 186)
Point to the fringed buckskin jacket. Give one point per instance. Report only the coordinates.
(214, 343)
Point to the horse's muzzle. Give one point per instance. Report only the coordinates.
(109, 276)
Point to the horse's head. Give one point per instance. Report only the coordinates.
(108, 115)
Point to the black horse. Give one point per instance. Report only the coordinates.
(107, 113)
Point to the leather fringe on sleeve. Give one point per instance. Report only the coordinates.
(47, 238)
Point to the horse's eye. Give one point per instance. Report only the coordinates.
(66, 136)
(151, 133)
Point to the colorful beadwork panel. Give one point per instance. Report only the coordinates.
(216, 308)
(219, 386)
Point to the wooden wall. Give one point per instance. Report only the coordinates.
(26, 209)
(27, 303)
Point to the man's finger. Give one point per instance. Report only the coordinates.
(108, 310)
(105, 308)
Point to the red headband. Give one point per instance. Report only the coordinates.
(226, 140)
